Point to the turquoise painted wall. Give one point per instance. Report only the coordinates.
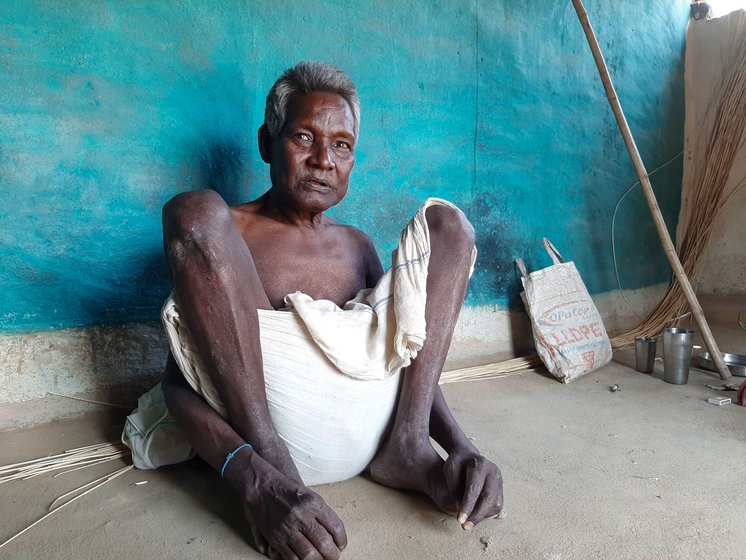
(109, 108)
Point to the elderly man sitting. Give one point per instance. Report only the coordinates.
(294, 359)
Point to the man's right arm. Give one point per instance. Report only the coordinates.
(286, 518)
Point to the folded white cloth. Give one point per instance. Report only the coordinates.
(331, 373)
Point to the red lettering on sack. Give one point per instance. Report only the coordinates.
(595, 329)
(589, 359)
(577, 336)
(557, 341)
(545, 343)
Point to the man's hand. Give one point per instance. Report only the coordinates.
(476, 484)
(288, 521)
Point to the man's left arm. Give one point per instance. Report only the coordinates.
(475, 482)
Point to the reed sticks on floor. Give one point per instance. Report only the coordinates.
(52, 510)
(68, 461)
(495, 370)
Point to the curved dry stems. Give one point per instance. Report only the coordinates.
(705, 194)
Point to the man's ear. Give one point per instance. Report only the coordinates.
(265, 144)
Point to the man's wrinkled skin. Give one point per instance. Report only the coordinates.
(228, 262)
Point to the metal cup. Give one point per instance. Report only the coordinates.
(677, 354)
(644, 353)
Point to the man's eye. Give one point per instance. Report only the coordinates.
(303, 137)
(342, 145)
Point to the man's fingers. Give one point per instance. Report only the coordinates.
(320, 538)
(285, 552)
(303, 548)
(260, 543)
(333, 524)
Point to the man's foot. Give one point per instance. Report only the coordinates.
(411, 463)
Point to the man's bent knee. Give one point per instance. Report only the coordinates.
(450, 224)
(194, 219)
(192, 214)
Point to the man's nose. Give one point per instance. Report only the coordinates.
(323, 156)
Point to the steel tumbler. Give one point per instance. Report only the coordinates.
(644, 353)
(677, 354)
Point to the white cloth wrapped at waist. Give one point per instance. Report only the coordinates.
(331, 373)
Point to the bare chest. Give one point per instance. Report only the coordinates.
(324, 267)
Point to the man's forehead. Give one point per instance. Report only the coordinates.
(307, 106)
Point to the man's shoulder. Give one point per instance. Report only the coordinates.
(352, 233)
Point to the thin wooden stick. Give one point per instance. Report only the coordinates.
(76, 466)
(93, 446)
(99, 485)
(127, 407)
(118, 455)
(16, 466)
(668, 246)
(78, 489)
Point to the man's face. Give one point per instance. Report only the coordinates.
(311, 160)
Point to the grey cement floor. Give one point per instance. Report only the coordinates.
(650, 471)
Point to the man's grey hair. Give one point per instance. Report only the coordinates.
(305, 77)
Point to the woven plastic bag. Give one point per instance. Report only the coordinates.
(569, 333)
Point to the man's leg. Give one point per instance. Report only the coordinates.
(407, 458)
(218, 292)
(466, 483)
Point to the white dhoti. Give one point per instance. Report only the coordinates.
(331, 373)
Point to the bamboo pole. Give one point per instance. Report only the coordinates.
(647, 188)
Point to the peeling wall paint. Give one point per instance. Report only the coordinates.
(109, 108)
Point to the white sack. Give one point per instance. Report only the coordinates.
(568, 331)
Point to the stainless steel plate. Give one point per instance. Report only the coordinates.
(736, 363)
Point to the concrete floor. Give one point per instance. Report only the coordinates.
(650, 471)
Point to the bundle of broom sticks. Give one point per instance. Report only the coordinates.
(706, 190)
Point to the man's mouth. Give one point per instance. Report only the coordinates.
(316, 183)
